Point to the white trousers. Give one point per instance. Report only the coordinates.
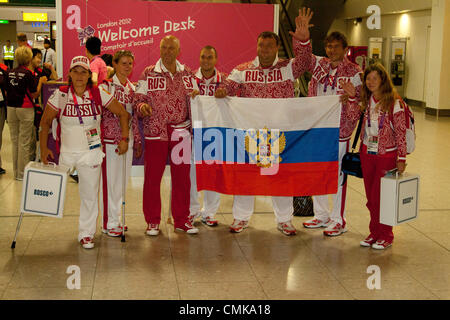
(88, 183)
(320, 203)
(243, 206)
(211, 199)
(111, 184)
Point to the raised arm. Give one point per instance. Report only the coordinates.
(304, 59)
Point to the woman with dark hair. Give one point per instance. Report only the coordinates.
(108, 58)
(79, 108)
(383, 146)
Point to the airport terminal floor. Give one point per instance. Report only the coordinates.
(259, 263)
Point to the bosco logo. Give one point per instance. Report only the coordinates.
(42, 193)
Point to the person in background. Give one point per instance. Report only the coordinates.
(207, 80)
(108, 58)
(112, 166)
(332, 75)
(8, 54)
(79, 107)
(98, 66)
(383, 147)
(22, 40)
(38, 110)
(48, 55)
(3, 81)
(22, 88)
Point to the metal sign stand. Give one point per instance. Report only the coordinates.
(13, 244)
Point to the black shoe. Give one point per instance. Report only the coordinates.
(2, 171)
(74, 177)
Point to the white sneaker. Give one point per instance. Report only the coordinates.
(152, 229)
(87, 243)
(368, 242)
(334, 229)
(287, 228)
(238, 225)
(210, 221)
(381, 245)
(316, 223)
(194, 216)
(114, 232)
(188, 228)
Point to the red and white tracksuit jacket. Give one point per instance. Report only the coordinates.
(110, 123)
(112, 166)
(211, 199)
(392, 135)
(169, 98)
(390, 128)
(320, 67)
(207, 87)
(168, 95)
(251, 80)
(326, 81)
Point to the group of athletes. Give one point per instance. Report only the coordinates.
(96, 139)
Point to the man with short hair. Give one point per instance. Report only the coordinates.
(22, 40)
(8, 54)
(331, 75)
(266, 76)
(207, 79)
(162, 100)
(48, 54)
(98, 66)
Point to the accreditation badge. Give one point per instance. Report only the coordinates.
(93, 138)
(372, 145)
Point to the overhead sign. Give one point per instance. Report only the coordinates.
(232, 28)
(35, 16)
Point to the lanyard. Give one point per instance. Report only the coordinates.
(380, 125)
(75, 102)
(326, 81)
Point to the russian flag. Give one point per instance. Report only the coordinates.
(267, 147)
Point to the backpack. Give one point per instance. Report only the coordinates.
(410, 127)
(56, 122)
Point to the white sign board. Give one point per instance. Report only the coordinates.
(44, 189)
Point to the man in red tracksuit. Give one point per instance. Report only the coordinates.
(265, 77)
(332, 75)
(162, 99)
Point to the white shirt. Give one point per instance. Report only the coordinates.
(73, 134)
(50, 57)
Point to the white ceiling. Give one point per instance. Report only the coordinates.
(358, 8)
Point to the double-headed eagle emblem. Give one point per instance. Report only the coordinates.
(264, 146)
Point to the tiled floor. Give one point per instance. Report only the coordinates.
(259, 263)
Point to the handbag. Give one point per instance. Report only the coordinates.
(303, 206)
(351, 162)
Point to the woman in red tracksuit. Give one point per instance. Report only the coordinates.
(383, 146)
